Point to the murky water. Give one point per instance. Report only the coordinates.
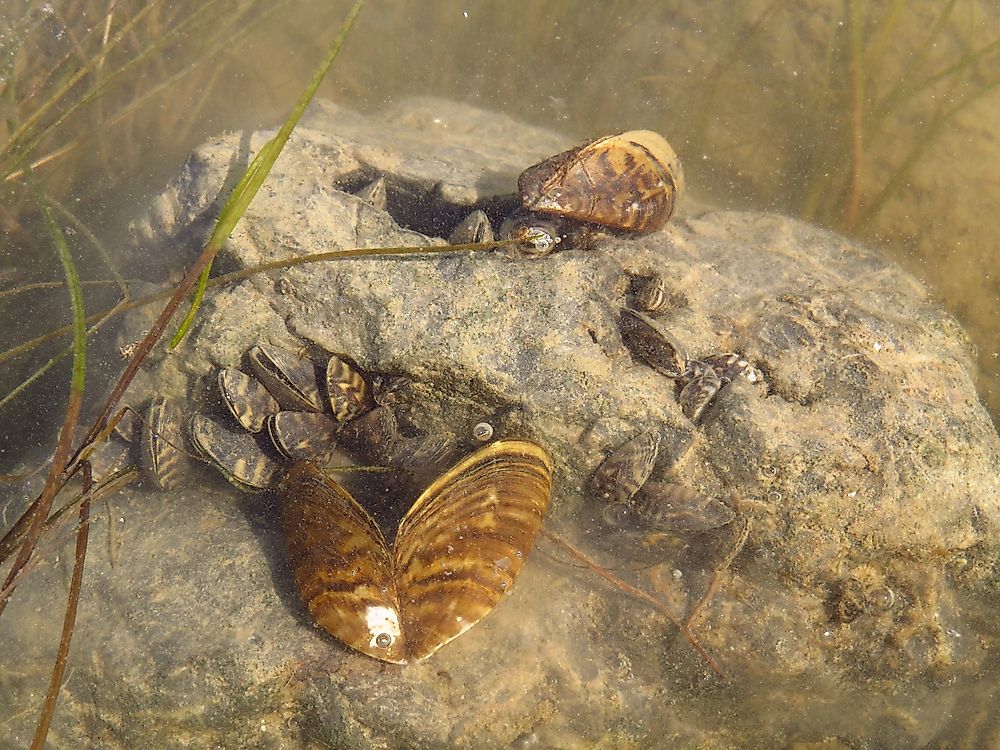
(878, 122)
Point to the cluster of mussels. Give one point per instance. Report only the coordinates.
(457, 549)
(630, 501)
(289, 409)
(463, 541)
(698, 381)
(628, 182)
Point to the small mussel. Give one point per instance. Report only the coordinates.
(728, 366)
(245, 460)
(664, 506)
(305, 436)
(630, 181)
(375, 194)
(162, 446)
(648, 340)
(699, 391)
(373, 434)
(651, 296)
(475, 227)
(246, 398)
(292, 380)
(622, 473)
(348, 391)
(537, 235)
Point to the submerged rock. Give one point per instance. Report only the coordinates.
(861, 458)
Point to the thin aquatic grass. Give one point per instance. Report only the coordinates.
(222, 37)
(61, 459)
(76, 386)
(16, 144)
(245, 190)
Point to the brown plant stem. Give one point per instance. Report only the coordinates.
(69, 620)
(852, 206)
(638, 593)
(720, 571)
(56, 527)
(53, 483)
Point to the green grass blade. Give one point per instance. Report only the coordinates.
(75, 291)
(260, 168)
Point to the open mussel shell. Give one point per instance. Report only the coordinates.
(475, 227)
(305, 436)
(242, 458)
(162, 448)
(375, 194)
(347, 390)
(698, 394)
(651, 343)
(458, 550)
(246, 399)
(292, 380)
(622, 473)
(664, 506)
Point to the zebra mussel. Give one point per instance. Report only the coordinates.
(697, 380)
(629, 501)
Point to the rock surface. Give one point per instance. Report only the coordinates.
(864, 463)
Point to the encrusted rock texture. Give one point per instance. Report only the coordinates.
(863, 462)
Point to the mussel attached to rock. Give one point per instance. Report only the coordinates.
(628, 182)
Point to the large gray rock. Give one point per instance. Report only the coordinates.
(864, 463)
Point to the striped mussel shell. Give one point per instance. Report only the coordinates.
(457, 551)
(306, 436)
(246, 398)
(291, 379)
(700, 391)
(622, 473)
(727, 365)
(650, 342)
(348, 392)
(665, 506)
(163, 455)
(375, 434)
(247, 461)
(630, 181)
(651, 296)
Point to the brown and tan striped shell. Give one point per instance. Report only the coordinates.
(630, 181)
(457, 551)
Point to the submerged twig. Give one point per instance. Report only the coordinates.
(720, 570)
(607, 575)
(69, 620)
